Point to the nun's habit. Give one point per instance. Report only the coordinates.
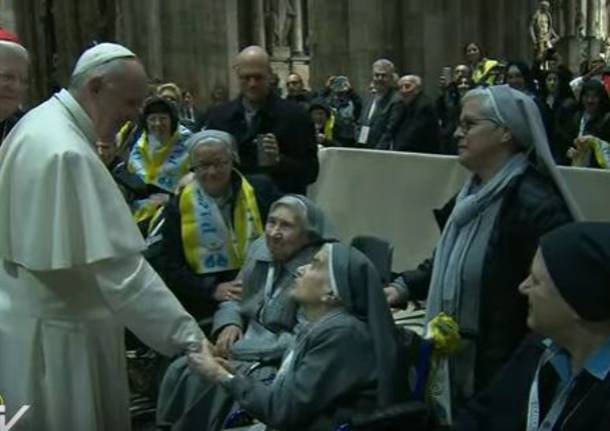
(507, 213)
(512, 402)
(343, 364)
(268, 317)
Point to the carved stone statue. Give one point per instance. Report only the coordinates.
(542, 32)
(280, 18)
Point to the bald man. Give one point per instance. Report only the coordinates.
(14, 65)
(413, 122)
(275, 137)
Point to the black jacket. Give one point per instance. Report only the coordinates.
(380, 118)
(412, 127)
(7, 125)
(532, 206)
(503, 406)
(194, 290)
(293, 129)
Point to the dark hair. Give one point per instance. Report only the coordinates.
(595, 86)
(481, 50)
(563, 82)
(158, 105)
(530, 85)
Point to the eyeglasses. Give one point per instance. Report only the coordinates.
(467, 125)
(11, 78)
(207, 166)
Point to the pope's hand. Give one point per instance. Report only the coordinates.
(202, 362)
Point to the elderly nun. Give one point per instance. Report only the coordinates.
(211, 224)
(253, 330)
(490, 232)
(344, 363)
(559, 378)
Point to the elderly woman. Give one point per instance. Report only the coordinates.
(490, 233)
(254, 331)
(211, 224)
(559, 379)
(589, 128)
(344, 363)
(159, 156)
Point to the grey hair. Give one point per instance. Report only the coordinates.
(115, 66)
(15, 48)
(416, 80)
(212, 138)
(385, 64)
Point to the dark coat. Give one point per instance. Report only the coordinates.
(131, 185)
(412, 127)
(295, 134)
(7, 125)
(561, 116)
(381, 116)
(195, 290)
(503, 406)
(532, 206)
(598, 126)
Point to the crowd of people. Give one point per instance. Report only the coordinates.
(191, 228)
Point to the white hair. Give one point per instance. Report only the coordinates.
(384, 63)
(416, 80)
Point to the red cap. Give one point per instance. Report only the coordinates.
(8, 36)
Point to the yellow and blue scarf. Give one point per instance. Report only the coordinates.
(163, 167)
(209, 244)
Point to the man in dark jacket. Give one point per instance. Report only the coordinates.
(296, 90)
(413, 124)
(275, 137)
(377, 105)
(561, 382)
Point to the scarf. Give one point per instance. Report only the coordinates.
(164, 166)
(210, 243)
(458, 265)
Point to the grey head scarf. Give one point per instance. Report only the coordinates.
(262, 270)
(459, 257)
(210, 137)
(316, 223)
(517, 111)
(356, 281)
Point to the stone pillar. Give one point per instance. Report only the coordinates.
(7, 15)
(154, 47)
(258, 29)
(297, 29)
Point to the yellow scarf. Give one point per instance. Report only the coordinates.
(482, 73)
(163, 168)
(209, 244)
(329, 126)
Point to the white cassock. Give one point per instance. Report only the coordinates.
(72, 278)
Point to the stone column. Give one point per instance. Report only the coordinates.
(154, 47)
(297, 29)
(7, 15)
(258, 24)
